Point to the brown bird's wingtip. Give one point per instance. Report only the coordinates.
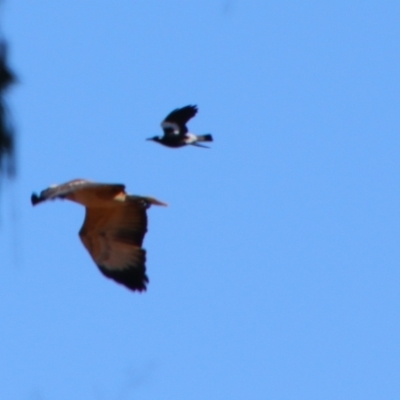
(35, 199)
(134, 277)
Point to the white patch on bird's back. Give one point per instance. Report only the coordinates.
(190, 138)
(170, 125)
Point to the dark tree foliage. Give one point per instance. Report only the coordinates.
(7, 136)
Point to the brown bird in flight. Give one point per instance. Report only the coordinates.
(114, 227)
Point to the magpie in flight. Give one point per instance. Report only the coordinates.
(176, 133)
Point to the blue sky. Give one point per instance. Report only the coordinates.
(274, 272)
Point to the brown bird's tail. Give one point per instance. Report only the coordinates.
(156, 202)
(205, 138)
(148, 201)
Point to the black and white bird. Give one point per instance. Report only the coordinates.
(176, 133)
(114, 227)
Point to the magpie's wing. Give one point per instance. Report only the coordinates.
(105, 190)
(175, 121)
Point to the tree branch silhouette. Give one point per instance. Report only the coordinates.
(7, 134)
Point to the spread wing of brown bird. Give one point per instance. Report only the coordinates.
(114, 227)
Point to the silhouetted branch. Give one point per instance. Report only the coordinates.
(7, 134)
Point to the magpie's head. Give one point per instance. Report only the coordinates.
(154, 139)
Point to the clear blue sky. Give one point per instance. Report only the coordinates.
(274, 272)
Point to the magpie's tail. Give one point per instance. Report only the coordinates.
(205, 138)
